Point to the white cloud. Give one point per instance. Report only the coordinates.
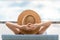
(47, 12)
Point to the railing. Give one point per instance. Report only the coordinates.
(53, 22)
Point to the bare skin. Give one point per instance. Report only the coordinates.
(29, 28)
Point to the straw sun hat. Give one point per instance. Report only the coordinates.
(28, 16)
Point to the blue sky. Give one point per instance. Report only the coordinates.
(20, 4)
(48, 10)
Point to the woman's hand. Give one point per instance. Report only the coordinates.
(29, 28)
